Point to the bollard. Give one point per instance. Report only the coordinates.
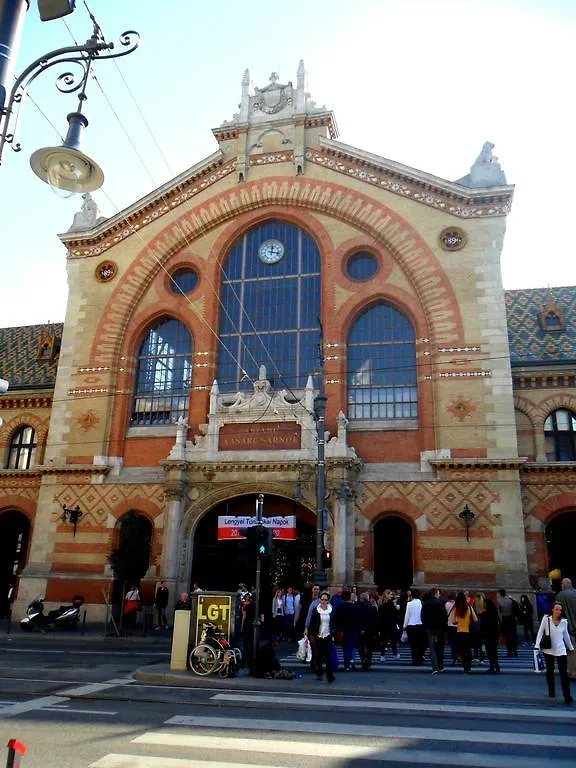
(15, 751)
(83, 631)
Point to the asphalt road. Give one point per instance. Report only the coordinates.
(78, 706)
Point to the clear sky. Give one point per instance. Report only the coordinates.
(422, 82)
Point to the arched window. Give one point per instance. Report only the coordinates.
(22, 449)
(382, 366)
(560, 435)
(270, 308)
(164, 375)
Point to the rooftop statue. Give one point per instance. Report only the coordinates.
(87, 217)
(486, 171)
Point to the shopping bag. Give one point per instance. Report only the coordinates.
(538, 661)
(308, 651)
(303, 646)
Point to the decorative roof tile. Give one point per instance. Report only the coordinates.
(531, 342)
(20, 360)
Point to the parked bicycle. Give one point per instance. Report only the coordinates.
(214, 654)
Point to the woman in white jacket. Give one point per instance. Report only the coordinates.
(556, 628)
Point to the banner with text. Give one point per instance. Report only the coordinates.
(229, 527)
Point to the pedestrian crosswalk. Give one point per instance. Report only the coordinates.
(521, 663)
(328, 730)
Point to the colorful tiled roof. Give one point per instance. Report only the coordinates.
(19, 356)
(529, 342)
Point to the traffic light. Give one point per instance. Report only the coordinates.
(264, 546)
(259, 540)
(327, 558)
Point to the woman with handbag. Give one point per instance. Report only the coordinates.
(554, 641)
(131, 608)
(463, 616)
(320, 631)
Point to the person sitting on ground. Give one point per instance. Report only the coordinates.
(266, 664)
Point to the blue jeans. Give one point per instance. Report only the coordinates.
(349, 649)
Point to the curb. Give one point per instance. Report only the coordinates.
(307, 685)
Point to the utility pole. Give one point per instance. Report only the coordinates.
(257, 622)
(320, 414)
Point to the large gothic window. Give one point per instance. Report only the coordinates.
(382, 366)
(164, 375)
(22, 449)
(560, 436)
(270, 308)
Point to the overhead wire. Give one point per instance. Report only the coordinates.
(185, 237)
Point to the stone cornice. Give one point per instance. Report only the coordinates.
(212, 468)
(25, 401)
(550, 466)
(156, 204)
(482, 464)
(411, 183)
(67, 469)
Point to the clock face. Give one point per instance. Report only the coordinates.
(271, 251)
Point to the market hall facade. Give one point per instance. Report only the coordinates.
(183, 380)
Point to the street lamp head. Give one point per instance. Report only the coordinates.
(55, 9)
(67, 169)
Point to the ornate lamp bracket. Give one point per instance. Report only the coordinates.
(81, 56)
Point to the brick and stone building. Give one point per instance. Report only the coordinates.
(183, 380)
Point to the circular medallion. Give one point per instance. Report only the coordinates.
(271, 251)
(105, 271)
(452, 239)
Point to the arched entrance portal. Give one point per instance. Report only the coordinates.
(14, 537)
(224, 564)
(393, 553)
(560, 538)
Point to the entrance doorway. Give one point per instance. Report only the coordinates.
(14, 537)
(225, 564)
(130, 557)
(560, 538)
(393, 553)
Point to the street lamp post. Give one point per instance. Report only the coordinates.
(320, 414)
(66, 167)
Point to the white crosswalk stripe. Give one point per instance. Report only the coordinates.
(331, 702)
(190, 741)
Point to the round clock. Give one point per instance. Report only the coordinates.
(271, 251)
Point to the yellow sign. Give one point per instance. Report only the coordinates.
(214, 609)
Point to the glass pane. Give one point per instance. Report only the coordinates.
(362, 266)
(164, 375)
(274, 319)
(183, 281)
(562, 420)
(381, 351)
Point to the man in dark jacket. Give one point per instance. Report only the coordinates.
(161, 603)
(435, 622)
(368, 624)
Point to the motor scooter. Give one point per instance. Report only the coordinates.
(64, 617)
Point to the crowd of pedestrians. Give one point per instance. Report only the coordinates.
(471, 626)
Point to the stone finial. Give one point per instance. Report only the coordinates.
(262, 373)
(486, 171)
(246, 79)
(87, 217)
(301, 74)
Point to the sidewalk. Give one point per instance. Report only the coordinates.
(91, 632)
